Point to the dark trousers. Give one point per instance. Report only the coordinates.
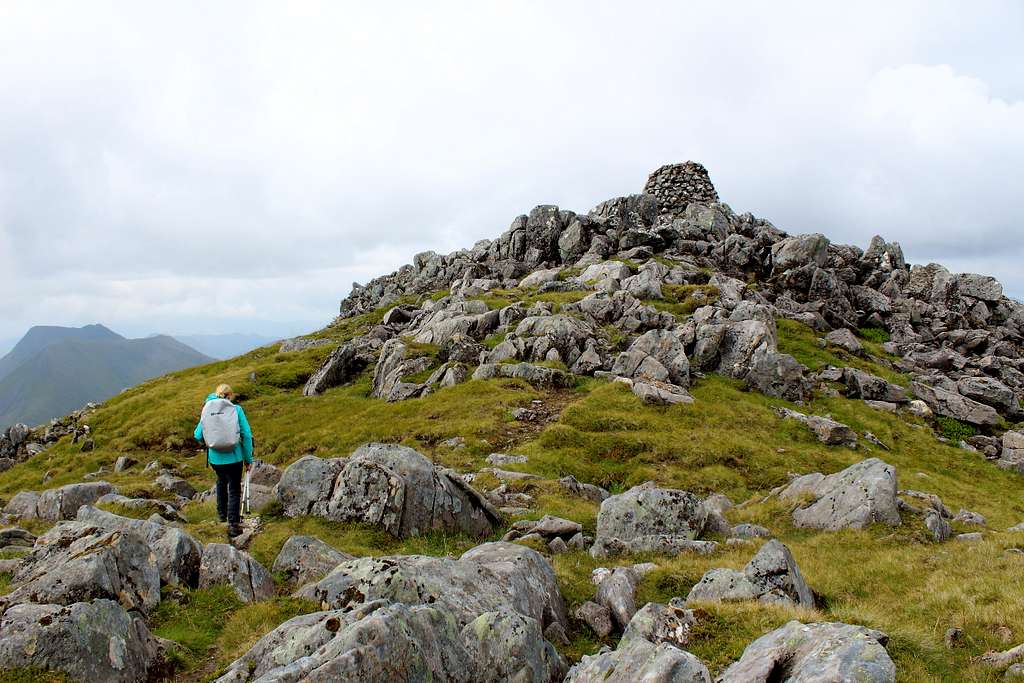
(229, 491)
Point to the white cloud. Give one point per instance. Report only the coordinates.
(277, 152)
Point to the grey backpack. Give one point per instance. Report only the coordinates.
(220, 424)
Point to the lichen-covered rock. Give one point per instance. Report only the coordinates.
(597, 617)
(779, 375)
(175, 485)
(647, 518)
(63, 503)
(650, 651)
(386, 485)
(812, 653)
(800, 250)
(845, 339)
(23, 505)
(382, 642)
(860, 495)
(771, 576)
(870, 387)
(88, 641)
(534, 374)
(305, 558)
(344, 363)
(507, 646)
(77, 562)
(223, 563)
(488, 578)
(950, 404)
(177, 554)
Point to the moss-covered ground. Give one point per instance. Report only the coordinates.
(729, 441)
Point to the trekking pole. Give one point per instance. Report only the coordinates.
(245, 493)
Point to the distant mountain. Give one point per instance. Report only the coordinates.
(54, 370)
(42, 336)
(224, 346)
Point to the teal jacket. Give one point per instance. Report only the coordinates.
(243, 450)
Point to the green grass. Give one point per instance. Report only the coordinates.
(30, 675)
(683, 300)
(804, 344)
(499, 298)
(876, 335)
(729, 441)
(953, 429)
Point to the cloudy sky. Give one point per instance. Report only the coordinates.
(214, 167)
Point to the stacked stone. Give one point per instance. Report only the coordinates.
(676, 185)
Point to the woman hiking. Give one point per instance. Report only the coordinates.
(226, 433)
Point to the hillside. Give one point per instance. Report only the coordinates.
(53, 371)
(658, 338)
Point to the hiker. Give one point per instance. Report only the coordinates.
(226, 433)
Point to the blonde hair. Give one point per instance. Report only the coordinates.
(224, 391)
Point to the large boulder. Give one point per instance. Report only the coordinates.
(770, 576)
(344, 363)
(177, 554)
(729, 347)
(657, 355)
(1011, 457)
(650, 651)
(870, 387)
(402, 643)
(534, 374)
(779, 375)
(63, 503)
(386, 485)
(800, 250)
(808, 653)
(225, 564)
(949, 404)
(77, 561)
(860, 495)
(397, 362)
(490, 577)
(989, 391)
(88, 641)
(650, 519)
(305, 558)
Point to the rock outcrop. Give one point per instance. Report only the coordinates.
(651, 519)
(815, 652)
(854, 498)
(770, 576)
(390, 486)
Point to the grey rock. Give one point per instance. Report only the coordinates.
(937, 525)
(647, 517)
(601, 272)
(508, 646)
(1017, 528)
(827, 430)
(845, 339)
(972, 537)
(660, 393)
(534, 374)
(264, 474)
(616, 590)
(76, 562)
(225, 564)
(63, 503)
(779, 375)
(88, 641)
(175, 485)
(989, 391)
(800, 250)
(490, 577)
(657, 355)
(597, 617)
(344, 363)
(305, 558)
(557, 546)
(771, 576)
(871, 387)
(23, 505)
(860, 495)
(949, 404)
(808, 653)
(386, 485)
(123, 462)
(979, 286)
(593, 493)
(649, 651)
(300, 344)
(750, 531)
(400, 642)
(177, 554)
(539, 277)
(506, 459)
(16, 537)
(969, 517)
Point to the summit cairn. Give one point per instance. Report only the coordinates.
(676, 185)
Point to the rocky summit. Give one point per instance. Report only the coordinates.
(657, 441)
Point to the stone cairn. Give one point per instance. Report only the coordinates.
(676, 185)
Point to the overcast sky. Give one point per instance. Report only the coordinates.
(214, 167)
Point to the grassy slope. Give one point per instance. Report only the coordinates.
(729, 441)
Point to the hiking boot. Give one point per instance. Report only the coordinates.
(234, 530)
